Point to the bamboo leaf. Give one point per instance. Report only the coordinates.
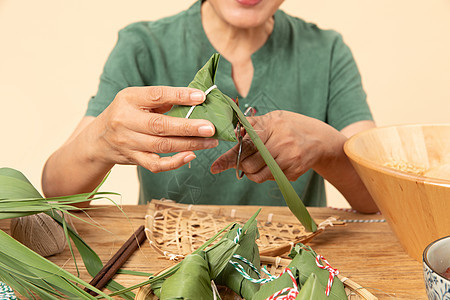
(20, 198)
(66, 233)
(293, 201)
(191, 281)
(271, 287)
(19, 278)
(312, 290)
(248, 249)
(40, 267)
(11, 187)
(23, 287)
(91, 260)
(215, 108)
(136, 273)
(219, 255)
(14, 283)
(18, 185)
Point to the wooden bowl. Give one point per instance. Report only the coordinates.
(407, 171)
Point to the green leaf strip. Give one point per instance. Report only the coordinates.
(37, 267)
(293, 201)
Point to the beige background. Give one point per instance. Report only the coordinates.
(52, 53)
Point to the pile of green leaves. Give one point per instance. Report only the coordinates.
(27, 272)
(191, 278)
(223, 112)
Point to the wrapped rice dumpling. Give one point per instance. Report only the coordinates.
(216, 107)
(304, 259)
(310, 279)
(248, 249)
(191, 281)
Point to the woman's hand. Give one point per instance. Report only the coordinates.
(299, 143)
(133, 129)
(296, 142)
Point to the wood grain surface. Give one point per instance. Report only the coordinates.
(405, 170)
(367, 253)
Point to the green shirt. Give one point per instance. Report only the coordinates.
(300, 68)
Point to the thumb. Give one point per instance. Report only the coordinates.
(225, 161)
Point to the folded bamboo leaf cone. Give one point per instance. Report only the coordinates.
(40, 233)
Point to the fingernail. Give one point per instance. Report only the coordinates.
(206, 130)
(189, 158)
(212, 143)
(197, 96)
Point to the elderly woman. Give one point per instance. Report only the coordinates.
(301, 80)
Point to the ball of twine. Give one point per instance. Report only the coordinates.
(40, 233)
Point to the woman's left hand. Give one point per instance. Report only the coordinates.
(296, 142)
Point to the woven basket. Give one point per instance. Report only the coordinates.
(176, 230)
(275, 266)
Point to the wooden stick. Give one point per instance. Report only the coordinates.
(114, 264)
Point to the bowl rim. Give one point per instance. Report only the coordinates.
(425, 259)
(388, 170)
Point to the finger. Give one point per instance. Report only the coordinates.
(228, 159)
(162, 109)
(225, 161)
(163, 125)
(252, 164)
(146, 143)
(248, 148)
(153, 97)
(136, 142)
(261, 176)
(155, 164)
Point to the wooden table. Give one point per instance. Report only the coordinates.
(367, 253)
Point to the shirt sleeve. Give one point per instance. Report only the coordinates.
(346, 99)
(127, 65)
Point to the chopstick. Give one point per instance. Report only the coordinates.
(113, 265)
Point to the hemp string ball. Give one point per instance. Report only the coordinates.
(40, 233)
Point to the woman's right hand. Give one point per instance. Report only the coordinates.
(133, 129)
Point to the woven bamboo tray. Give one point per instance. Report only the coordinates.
(275, 265)
(176, 230)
